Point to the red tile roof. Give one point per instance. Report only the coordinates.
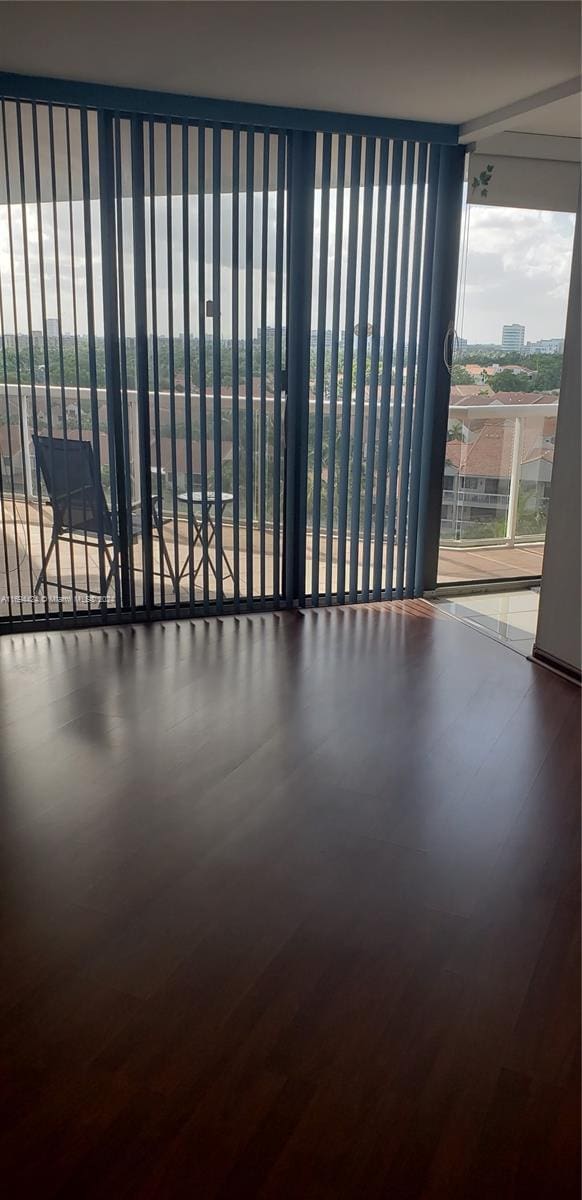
(461, 390)
(489, 454)
(498, 398)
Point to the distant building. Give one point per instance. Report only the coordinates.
(513, 337)
(546, 346)
(315, 338)
(52, 327)
(478, 372)
(463, 392)
(459, 344)
(270, 334)
(475, 370)
(517, 369)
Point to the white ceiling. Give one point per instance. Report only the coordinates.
(437, 61)
(563, 117)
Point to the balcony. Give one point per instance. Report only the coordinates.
(496, 494)
(469, 547)
(485, 534)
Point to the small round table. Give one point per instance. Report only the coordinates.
(204, 505)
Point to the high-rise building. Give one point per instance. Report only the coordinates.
(513, 337)
(52, 327)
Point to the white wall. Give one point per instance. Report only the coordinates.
(527, 182)
(559, 625)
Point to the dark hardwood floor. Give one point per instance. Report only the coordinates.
(290, 908)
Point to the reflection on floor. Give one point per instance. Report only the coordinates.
(509, 616)
(461, 564)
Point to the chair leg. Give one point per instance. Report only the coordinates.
(45, 562)
(111, 555)
(168, 561)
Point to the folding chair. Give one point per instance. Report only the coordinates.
(78, 502)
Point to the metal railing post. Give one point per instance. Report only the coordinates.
(112, 352)
(514, 482)
(133, 433)
(141, 356)
(26, 458)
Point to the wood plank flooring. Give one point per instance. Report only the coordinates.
(289, 909)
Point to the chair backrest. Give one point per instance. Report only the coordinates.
(74, 488)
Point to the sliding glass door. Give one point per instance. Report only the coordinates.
(221, 363)
(505, 372)
(142, 308)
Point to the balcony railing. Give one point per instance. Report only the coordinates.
(477, 499)
(519, 506)
(502, 513)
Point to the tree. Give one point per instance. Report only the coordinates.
(548, 372)
(459, 374)
(455, 432)
(511, 381)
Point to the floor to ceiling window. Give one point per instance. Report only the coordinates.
(186, 425)
(505, 379)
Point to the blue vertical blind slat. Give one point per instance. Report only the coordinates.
(203, 509)
(216, 363)
(249, 406)
(396, 407)
(277, 365)
(388, 359)
(362, 351)
(410, 369)
(348, 366)
(235, 251)
(425, 310)
(374, 368)
(333, 370)
(320, 367)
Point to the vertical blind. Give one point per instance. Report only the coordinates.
(54, 386)
(161, 453)
(215, 290)
(375, 211)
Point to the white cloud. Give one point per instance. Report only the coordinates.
(518, 269)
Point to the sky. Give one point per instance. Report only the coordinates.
(517, 271)
(515, 267)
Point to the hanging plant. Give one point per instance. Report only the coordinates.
(481, 182)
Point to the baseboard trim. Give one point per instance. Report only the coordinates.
(572, 674)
